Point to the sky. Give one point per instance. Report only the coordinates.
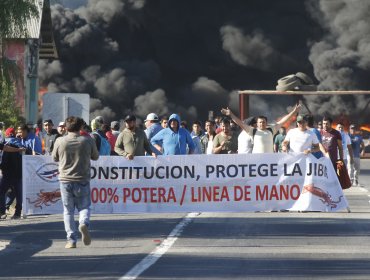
(191, 56)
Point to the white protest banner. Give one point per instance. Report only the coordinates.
(192, 183)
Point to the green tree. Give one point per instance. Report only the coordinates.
(10, 113)
(13, 24)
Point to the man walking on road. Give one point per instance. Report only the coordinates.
(73, 152)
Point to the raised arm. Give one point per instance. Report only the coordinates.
(239, 122)
(284, 119)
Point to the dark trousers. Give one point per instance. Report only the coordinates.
(16, 185)
(10, 196)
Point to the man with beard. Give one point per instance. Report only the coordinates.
(132, 141)
(332, 141)
(226, 142)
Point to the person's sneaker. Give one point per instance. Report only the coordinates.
(70, 245)
(15, 217)
(86, 239)
(2, 216)
(356, 183)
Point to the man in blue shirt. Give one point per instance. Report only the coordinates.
(174, 139)
(152, 128)
(29, 140)
(358, 148)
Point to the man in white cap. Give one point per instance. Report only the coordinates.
(61, 129)
(152, 128)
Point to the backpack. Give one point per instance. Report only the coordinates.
(104, 145)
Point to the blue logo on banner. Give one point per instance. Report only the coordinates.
(48, 172)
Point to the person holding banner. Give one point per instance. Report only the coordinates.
(173, 140)
(74, 152)
(132, 141)
(301, 139)
(29, 140)
(226, 142)
(262, 135)
(11, 167)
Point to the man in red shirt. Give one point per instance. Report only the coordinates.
(332, 141)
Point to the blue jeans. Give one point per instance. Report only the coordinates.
(75, 195)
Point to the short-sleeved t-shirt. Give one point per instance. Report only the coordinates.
(301, 140)
(330, 142)
(263, 140)
(356, 144)
(346, 140)
(231, 143)
(245, 143)
(279, 139)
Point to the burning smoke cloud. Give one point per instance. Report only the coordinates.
(191, 56)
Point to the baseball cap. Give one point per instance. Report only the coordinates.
(152, 117)
(114, 124)
(48, 121)
(9, 131)
(62, 124)
(130, 118)
(300, 118)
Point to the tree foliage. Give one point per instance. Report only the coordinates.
(14, 15)
(10, 113)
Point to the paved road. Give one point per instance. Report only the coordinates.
(206, 246)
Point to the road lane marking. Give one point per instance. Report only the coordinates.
(157, 253)
(3, 244)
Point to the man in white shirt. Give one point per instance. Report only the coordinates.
(245, 141)
(262, 135)
(347, 145)
(301, 139)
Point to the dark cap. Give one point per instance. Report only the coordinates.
(250, 121)
(48, 121)
(130, 118)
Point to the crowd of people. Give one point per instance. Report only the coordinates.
(74, 143)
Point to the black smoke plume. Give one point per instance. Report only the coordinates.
(190, 56)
